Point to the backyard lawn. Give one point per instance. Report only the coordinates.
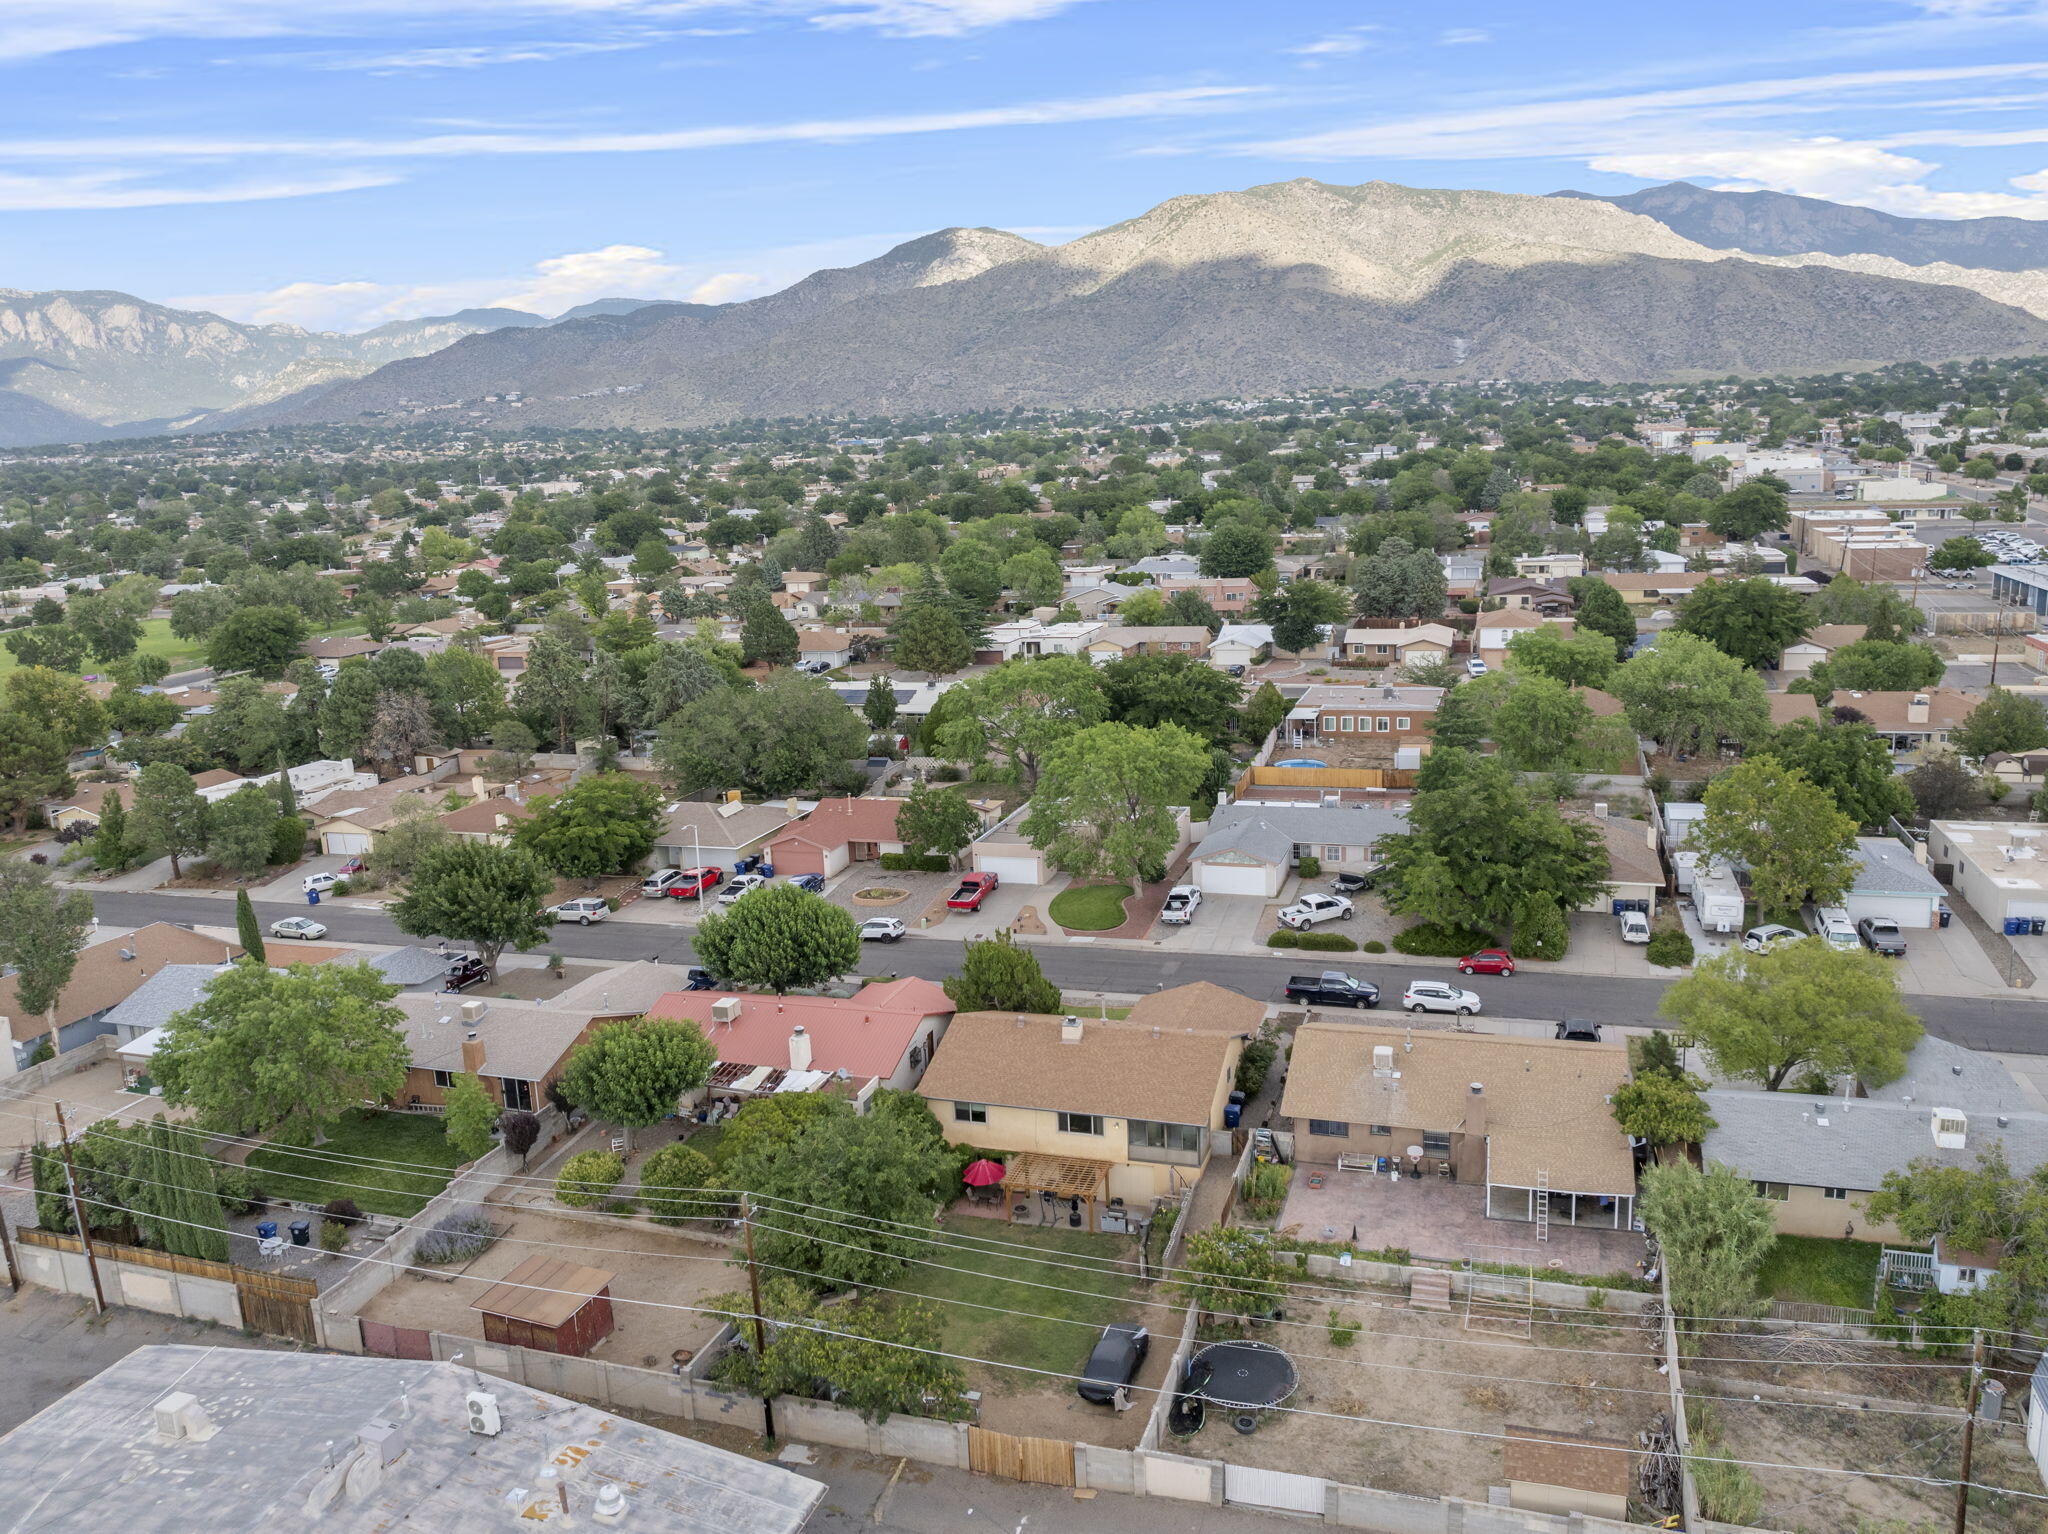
(1090, 907)
(316, 1174)
(1821, 1271)
(157, 639)
(1086, 1292)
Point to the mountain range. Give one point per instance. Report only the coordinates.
(1291, 285)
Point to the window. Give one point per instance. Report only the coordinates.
(516, 1093)
(1331, 1127)
(1080, 1123)
(1344, 723)
(1150, 1134)
(1966, 1275)
(1834, 1193)
(1380, 724)
(970, 1113)
(1401, 723)
(444, 1078)
(1775, 1191)
(1436, 1143)
(1333, 854)
(1382, 1130)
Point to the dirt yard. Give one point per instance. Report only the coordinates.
(648, 1265)
(1376, 1377)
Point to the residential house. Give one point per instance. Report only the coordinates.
(1525, 594)
(106, 974)
(1635, 873)
(1167, 567)
(1550, 567)
(1028, 637)
(1163, 639)
(489, 818)
(1112, 1113)
(1240, 644)
(1791, 707)
(720, 834)
(1521, 1117)
(85, 807)
(837, 833)
(1232, 597)
(349, 824)
(341, 647)
(1495, 631)
(1370, 721)
(1799, 659)
(516, 1048)
(1817, 1159)
(2000, 867)
(1093, 603)
(1419, 645)
(1892, 882)
(1004, 850)
(883, 1035)
(1464, 574)
(1250, 849)
(914, 700)
(833, 646)
(1910, 721)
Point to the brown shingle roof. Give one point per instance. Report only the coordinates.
(1204, 1007)
(1545, 1099)
(481, 818)
(1549, 1458)
(103, 977)
(1790, 707)
(1946, 708)
(1121, 1069)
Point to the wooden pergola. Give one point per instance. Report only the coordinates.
(1064, 1177)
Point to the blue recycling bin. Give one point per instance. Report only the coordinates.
(312, 897)
(2015, 925)
(766, 870)
(266, 1230)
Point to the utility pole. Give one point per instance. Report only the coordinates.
(92, 1262)
(7, 1249)
(761, 1325)
(1969, 1428)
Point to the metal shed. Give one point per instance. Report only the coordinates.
(549, 1304)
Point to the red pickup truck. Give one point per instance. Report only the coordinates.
(696, 881)
(973, 890)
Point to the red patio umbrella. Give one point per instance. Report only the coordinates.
(982, 1174)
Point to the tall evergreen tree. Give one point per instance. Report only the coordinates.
(247, 929)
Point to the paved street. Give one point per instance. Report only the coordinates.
(2008, 1025)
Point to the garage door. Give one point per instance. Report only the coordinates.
(1234, 879)
(345, 842)
(1012, 870)
(1272, 1488)
(1906, 910)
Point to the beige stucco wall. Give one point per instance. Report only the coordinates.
(1534, 1497)
(1806, 1213)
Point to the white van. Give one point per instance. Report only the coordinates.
(1836, 930)
(1635, 926)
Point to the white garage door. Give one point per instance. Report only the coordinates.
(1272, 1488)
(1906, 910)
(1012, 870)
(345, 842)
(1235, 879)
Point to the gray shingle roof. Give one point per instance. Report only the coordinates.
(411, 966)
(1270, 831)
(1889, 869)
(171, 989)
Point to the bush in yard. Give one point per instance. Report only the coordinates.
(457, 1237)
(1428, 940)
(912, 863)
(588, 1178)
(333, 1236)
(1286, 937)
(1309, 866)
(1541, 931)
(520, 1130)
(1253, 1065)
(1265, 1189)
(1373, 945)
(1670, 948)
(343, 1211)
(672, 1184)
(1325, 942)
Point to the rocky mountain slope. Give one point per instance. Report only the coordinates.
(1288, 285)
(1777, 224)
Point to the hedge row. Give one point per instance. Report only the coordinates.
(911, 863)
(1431, 941)
(1319, 942)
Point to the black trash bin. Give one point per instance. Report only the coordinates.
(302, 1232)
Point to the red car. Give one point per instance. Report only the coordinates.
(1488, 961)
(973, 890)
(695, 881)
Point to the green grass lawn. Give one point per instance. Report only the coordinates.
(1821, 1271)
(1090, 907)
(184, 654)
(1080, 1294)
(316, 1174)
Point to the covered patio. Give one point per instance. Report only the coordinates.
(1056, 1190)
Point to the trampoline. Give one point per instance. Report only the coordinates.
(1302, 761)
(1243, 1375)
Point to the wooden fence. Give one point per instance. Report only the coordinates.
(274, 1303)
(1046, 1461)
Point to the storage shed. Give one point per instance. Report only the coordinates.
(1553, 1472)
(549, 1304)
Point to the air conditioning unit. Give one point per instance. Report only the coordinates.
(483, 1413)
(181, 1419)
(726, 1010)
(1383, 1059)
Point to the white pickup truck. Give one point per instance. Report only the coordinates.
(1311, 909)
(1181, 903)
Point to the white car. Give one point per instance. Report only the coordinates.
(657, 883)
(1757, 939)
(739, 885)
(299, 927)
(583, 911)
(1181, 903)
(1435, 996)
(1635, 926)
(882, 929)
(1311, 909)
(1475, 667)
(321, 882)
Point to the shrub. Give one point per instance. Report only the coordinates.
(1286, 937)
(945, 772)
(1373, 945)
(670, 1183)
(1428, 940)
(458, 1236)
(1309, 866)
(1325, 942)
(338, 888)
(1541, 932)
(1253, 1065)
(1343, 1328)
(333, 1236)
(237, 1188)
(1265, 1188)
(44, 1050)
(914, 863)
(344, 1210)
(588, 1178)
(288, 839)
(1670, 948)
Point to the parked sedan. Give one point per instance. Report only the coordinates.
(298, 927)
(583, 910)
(1488, 961)
(1118, 1356)
(1757, 939)
(882, 929)
(1435, 996)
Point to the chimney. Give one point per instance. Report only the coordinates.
(476, 785)
(1916, 711)
(1475, 1110)
(499, 822)
(472, 1054)
(799, 1049)
(1070, 1030)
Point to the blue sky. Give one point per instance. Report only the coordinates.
(336, 163)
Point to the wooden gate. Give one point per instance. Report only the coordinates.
(277, 1303)
(396, 1341)
(1047, 1461)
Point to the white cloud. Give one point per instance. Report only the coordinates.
(1335, 45)
(1460, 36)
(727, 288)
(104, 189)
(1835, 169)
(562, 282)
(937, 18)
(471, 56)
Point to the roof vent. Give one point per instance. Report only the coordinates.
(181, 1419)
(1951, 1129)
(1070, 1030)
(384, 1438)
(610, 1506)
(726, 1010)
(127, 956)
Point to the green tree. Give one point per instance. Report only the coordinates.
(602, 824)
(1398, 582)
(782, 737)
(1299, 612)
(1663, 1109)
(1147, 690)
(1685, 694)
(634, 1072)
(1752, 620)
(1602, 610)
(247, 930)
(42, 929)
(1104, 803)
(1850, 762)
(879, 706)
(1231, 1271)
(1879, 665)
(477, 893)
(1235, 549)
(1584, 659)
(1883, 612)
(467, 694)
(997, 975)
(2004, 721)
(675, 676)
(673, 1188)
(936, 821)
(1021, 711)
(114, 846)
(1264, 711)
(552, 690)
(349, 712)
(1787, 831)
(881, 1356)
(1796, 1007)
(32, 769)
(1960, 554)
(264, 640)
(1943, 787)
(57, 706)
(241, 830)
(929, 638)
(108, 621)
(766, 637)
(1748, 511)
(284, 1052)
(779, 938)
(171, 818)
(1715, 1232)
(1189, 607)
(1539, 723)
(1986, 1207)
(468, 1115)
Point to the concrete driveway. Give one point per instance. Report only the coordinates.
(1222, 924)
(287, 885)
